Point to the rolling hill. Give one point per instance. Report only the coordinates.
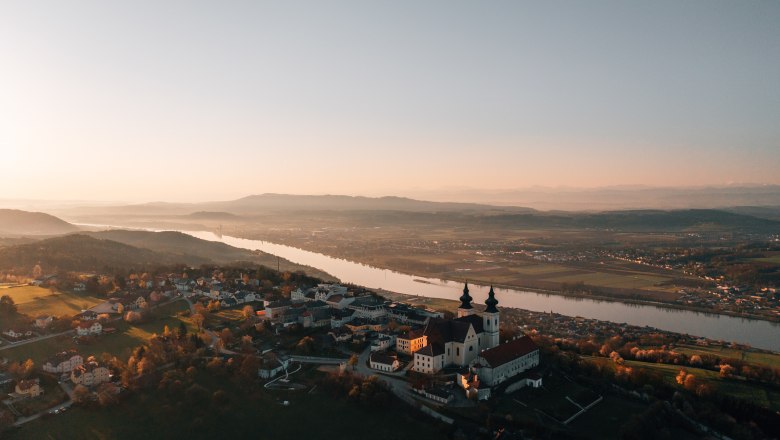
(14, 222)
(98, 251)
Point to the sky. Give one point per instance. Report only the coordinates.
(207, 100)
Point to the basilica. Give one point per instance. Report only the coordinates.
(455, 342)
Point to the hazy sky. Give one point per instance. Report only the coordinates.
(191, 100)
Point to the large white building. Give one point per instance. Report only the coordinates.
(459, 341)
(501, 363)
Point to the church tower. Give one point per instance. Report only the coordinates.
(490, 320)
(465, 308)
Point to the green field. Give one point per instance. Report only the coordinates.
(119, 343)
(753, 392)
(754, 357)
(34, 301)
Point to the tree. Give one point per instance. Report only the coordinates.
(249, 367)
(133, 317)
(107, 394)
(6, 419)
(81, 394)
(198, 320)
(353, 361)
(226, 336)
(726, 370)
(7, 305)
(182, 331)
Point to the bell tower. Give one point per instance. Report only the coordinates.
(490, 320)
(465, 308)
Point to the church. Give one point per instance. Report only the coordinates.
(459, 341)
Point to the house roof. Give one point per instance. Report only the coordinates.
(413, 334)
(431, 350)
(509, 351)
(25, 385)
(382, 358)
(61, 357)
(282, 303)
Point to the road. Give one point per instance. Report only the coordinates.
(397, 386)
(32, 340)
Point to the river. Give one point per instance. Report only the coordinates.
(757, 333)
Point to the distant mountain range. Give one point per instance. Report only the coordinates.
(617, 197)
(274, 203)
(14, 222)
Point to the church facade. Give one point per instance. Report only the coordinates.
(459, 341)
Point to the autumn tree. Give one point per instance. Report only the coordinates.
(353, 361)
(249, 367)
(7, 305)
(81, 394)
(198, 319)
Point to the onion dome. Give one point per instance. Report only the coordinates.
(465, 299)
(491, 302)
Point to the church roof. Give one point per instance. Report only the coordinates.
(443, 331)
(517, 348)
(431, 350)
(474, 320)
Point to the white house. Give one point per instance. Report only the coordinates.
(381, 361)
(89, 328)
(43, 321)
(273, 365)
(63, 362)
(501, 363)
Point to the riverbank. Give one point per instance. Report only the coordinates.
(622, 299)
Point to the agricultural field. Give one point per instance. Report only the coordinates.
(34, 300)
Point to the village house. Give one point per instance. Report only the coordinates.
(89, 328)
(273, 364)
(437, 394)
(63, 362)
(383, 342)
(340, 334)
(28, 388)
(275, 310)
(90, 374)
(411, 341)
(43, 321)
(381, 361)
(14, 334)
(87, 315)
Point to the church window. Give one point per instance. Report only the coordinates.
(457, 351)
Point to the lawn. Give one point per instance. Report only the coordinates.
(34, 301)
